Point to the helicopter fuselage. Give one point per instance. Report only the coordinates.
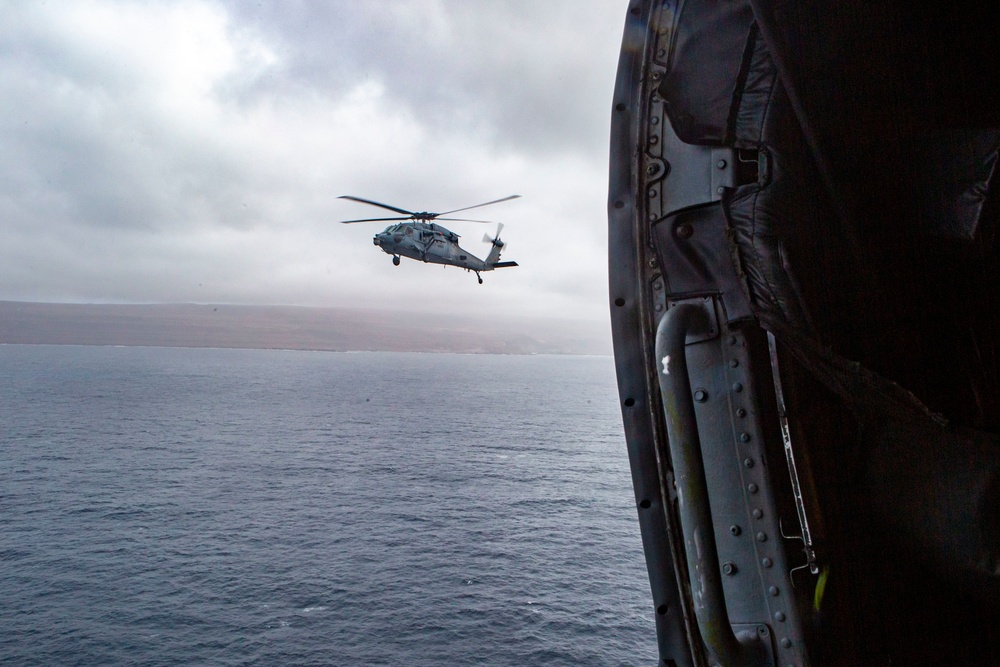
(428, 242)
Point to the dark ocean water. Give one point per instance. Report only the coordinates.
(246, 507)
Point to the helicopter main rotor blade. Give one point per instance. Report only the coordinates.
(347, 222)
(495, 201)
(379, 204)
(489, 222)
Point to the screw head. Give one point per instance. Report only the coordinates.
(728, 568)
(684, 231)
(735, 530)
(700, 395)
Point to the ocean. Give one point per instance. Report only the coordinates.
(163, 506)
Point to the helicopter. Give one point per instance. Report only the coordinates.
(418, 237)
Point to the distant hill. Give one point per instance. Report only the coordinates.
(289, 327)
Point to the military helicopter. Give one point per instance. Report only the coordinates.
(422, 239)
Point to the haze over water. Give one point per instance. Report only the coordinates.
(249, 507)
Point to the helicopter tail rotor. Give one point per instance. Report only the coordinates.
(493, 259)
(496, 238)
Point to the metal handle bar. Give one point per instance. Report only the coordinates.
(692, 491)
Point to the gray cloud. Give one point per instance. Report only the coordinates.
(193, 151)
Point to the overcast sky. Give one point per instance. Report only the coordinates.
(193, 151)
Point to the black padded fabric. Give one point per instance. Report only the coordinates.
(699, 99)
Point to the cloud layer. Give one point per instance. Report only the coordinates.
(193, 151)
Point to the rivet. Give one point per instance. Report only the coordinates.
(751, 487)
(661, 53)
(758, 514)
(721, 164)
(655, 120)
(779, 615)
(733, 363)
(744, 437)
(748, 463)
(762, 537)
(735, 530)
(766, 562)
(684, 231)
(700, 395)
(653, 140)
(741, 413)
(773, 591)
(657, 285)
(658, 307)
(729, 568)
(656, 75)
(786, 643)
(737, 387)
(652, 216)
(720, 189)
(652, 193)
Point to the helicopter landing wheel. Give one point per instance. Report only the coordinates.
(395, 260)
(480, 278)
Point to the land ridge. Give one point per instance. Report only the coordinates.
(293, 328)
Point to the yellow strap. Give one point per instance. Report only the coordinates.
(820, 587)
